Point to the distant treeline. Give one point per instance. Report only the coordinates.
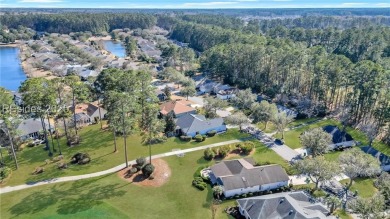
(274, 12)
(77, 22)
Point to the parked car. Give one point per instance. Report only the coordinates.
(279, 141)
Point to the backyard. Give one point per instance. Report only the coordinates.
(99, 145)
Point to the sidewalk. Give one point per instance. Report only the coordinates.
(112, 170)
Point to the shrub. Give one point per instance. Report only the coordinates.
(204, 137)
(62, 165)
(140, 162)
(247, 147)
(4, 173)
(133, 170)
(215, 150)
(211, 133)
(208, 154)
(199, 183)
(148, 169)
(81, 158)
(198, 138)
(38, 170)
(224, 150)
(185, 138)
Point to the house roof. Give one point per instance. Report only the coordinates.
(195, 123)
(338, 136)
(177, 106)
(383, 159)
(88, 109)
(31, 125)
(241, 173)
(287, 205)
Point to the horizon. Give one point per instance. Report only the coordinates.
(195, 4)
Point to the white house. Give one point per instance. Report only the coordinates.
(241, 176)
(226, 94)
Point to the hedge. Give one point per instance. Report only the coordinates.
(212, 133)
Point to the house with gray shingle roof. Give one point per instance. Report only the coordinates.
(31, 128)
(288, 205)
(193, 124)
(241, 176)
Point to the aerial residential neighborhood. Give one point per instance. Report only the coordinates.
(175, 109)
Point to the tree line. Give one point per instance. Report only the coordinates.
(78, 22)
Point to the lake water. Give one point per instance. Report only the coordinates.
(11, 72)
(115, 48)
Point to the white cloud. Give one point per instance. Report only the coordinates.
(354, 4)
(282, 0)
(383, 5)
(207, 4)
(247, 0)
(40, 1)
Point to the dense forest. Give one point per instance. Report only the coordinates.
(323, 68)
(77, 22)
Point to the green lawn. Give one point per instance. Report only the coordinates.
(271, 127)
(99, 145)
(111, 197)
(364, 186)
(298, 122)
(291, 138)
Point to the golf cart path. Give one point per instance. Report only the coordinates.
(112, 170)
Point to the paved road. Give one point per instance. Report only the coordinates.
(112, 170)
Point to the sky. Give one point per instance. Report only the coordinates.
(195, 3)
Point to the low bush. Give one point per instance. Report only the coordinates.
(211, 133)
(140, 162)
(198, 138)
(185, 138)
(224, 151)
(133, 170)
(199, 183)
(62, 165)
(215, 150)
(247, 147)
(38, 170)
(148, 169)
(208, 154)
(81, 158)
(4, 173)
(204, 137)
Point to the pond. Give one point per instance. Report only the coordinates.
(116, 48)
(11, 72)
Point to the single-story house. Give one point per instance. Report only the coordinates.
(220, 87)
(292, 205)
(382, 158)
(85, 73)
(227, 94)
(192, 124)
(241, 176)
(340, 139)
(32, 128)
(206, 86)
(88, 113)
(178, 107)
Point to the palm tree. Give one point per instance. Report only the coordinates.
(218, 191)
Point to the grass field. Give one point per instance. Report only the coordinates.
(291, 138)
(271, 127)
(364, 186)
(111, 197)
(99, 145)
